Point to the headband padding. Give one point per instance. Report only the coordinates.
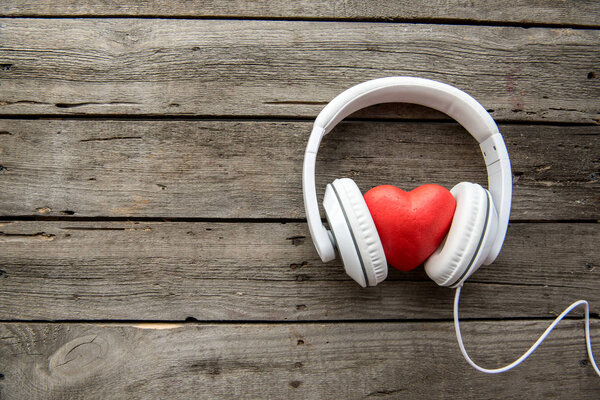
(461, 248)
(365, 233)
(405, 89)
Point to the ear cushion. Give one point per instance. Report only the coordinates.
(363, 230)
(462, 250)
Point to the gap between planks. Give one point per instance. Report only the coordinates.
(192, 321)
(273, 118)
(374, 20)
(41, 218)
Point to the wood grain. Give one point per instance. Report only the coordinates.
(286, 68)
(291, 361)
(191, 120)
(238, 169)
(269, 271)
(579, 12)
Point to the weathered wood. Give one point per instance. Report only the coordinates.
(579, 12)
(229, 273)
(269, 271)
(235, 169)
(291, 361)
(283, 68)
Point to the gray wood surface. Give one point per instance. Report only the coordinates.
(152, 234)
(573, 12)
(291, 361)
(286, 68)
(268, 271)
(252, 169)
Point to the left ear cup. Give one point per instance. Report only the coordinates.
(469, 239)
(354, 232)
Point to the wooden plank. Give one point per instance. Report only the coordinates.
(268, 271)
(237, 169)
(579, 12)
(291, 361)
(286, 68)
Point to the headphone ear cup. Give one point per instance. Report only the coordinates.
(469, 239)
(355, 233)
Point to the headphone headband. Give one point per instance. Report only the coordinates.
(439, 96)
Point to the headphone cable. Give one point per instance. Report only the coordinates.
(535, 345)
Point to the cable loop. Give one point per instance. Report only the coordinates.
(535, 345)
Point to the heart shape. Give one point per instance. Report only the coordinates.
(411, 225)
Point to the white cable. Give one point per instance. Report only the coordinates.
(535, 345)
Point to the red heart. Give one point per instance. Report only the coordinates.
(411, 225)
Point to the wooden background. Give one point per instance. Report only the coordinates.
(152, 233)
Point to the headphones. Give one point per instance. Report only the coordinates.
(481, 217)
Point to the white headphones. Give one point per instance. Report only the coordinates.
(480, 220)
(481, 217)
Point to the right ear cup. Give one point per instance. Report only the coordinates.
(354, 233)
(468, 241)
